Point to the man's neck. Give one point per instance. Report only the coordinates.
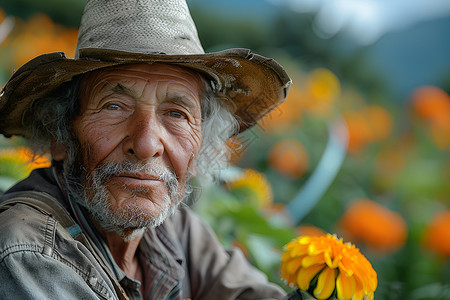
(124, 252)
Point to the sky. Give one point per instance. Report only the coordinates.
(367, 20)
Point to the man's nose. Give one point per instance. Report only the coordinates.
(145, 136)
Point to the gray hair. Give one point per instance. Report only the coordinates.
(50, 120)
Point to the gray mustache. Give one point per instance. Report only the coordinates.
(109, 169)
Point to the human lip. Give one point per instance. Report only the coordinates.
(140, 176)
(139, 179)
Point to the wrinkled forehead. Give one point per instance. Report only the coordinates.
(143, 72)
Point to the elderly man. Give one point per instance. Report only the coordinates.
(128, 122)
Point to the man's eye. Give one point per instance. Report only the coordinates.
(111, 106)
(177, 114)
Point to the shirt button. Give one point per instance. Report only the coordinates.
(93, 280)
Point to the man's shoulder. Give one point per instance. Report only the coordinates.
(42, 257)
(23, 228)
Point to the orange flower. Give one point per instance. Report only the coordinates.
(358, 131)
(310, 230)
(323, 88)
(380, 120)
(437, 234)
(19, 162)
(290, 158)
(380, 228)
(431, 103)
(41, 35)
(286, 114)
(440, 133)
(254, 185)
(370, 124)
(326, 265)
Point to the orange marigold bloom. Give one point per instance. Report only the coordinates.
(255, 184)
(377, 226)
(290, 158)
(326, 265)
(370, 124)
(41, 35)
(431, 103)
(310, 230)
(380, 122)
(322, 89)
(285, 114)
(19, 162)
(437, 234)
(440, 133)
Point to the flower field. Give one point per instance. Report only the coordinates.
(333, 159)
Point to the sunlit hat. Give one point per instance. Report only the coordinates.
(114, 32)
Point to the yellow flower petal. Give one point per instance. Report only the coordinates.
(304, 240)
(345, 286)
(305, 275)
(359, 294)
(313, 260)
(299, 250)
(325, 284)
(293, 265)
(286, 256)
(316, 248)
(256, 183)
(344, 268)
(333, 263)
(369, 296)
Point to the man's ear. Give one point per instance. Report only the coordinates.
(58, 151)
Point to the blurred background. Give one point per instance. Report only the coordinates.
(360, 149)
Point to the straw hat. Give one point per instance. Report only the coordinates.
(114, 32)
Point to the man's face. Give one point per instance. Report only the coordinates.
(139, 129)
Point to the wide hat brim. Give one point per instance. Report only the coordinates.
(253, 83)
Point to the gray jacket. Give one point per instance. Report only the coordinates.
(43, 256)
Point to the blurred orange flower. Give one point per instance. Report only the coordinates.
(310, 230)
(358, 131)
(19, 162)
(380, 228)
(287, 113)
(437, 234)
(432, 105)
(370, 124)
(40, 35)
(322, 88)
(290, 158)
(317, 96)
(254, 186)
(440, 133)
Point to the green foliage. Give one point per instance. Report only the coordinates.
(418, 190)
(242, 223)
(67, 12)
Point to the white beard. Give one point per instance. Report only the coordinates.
(131, 219)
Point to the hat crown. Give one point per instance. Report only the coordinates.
(139, 26)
